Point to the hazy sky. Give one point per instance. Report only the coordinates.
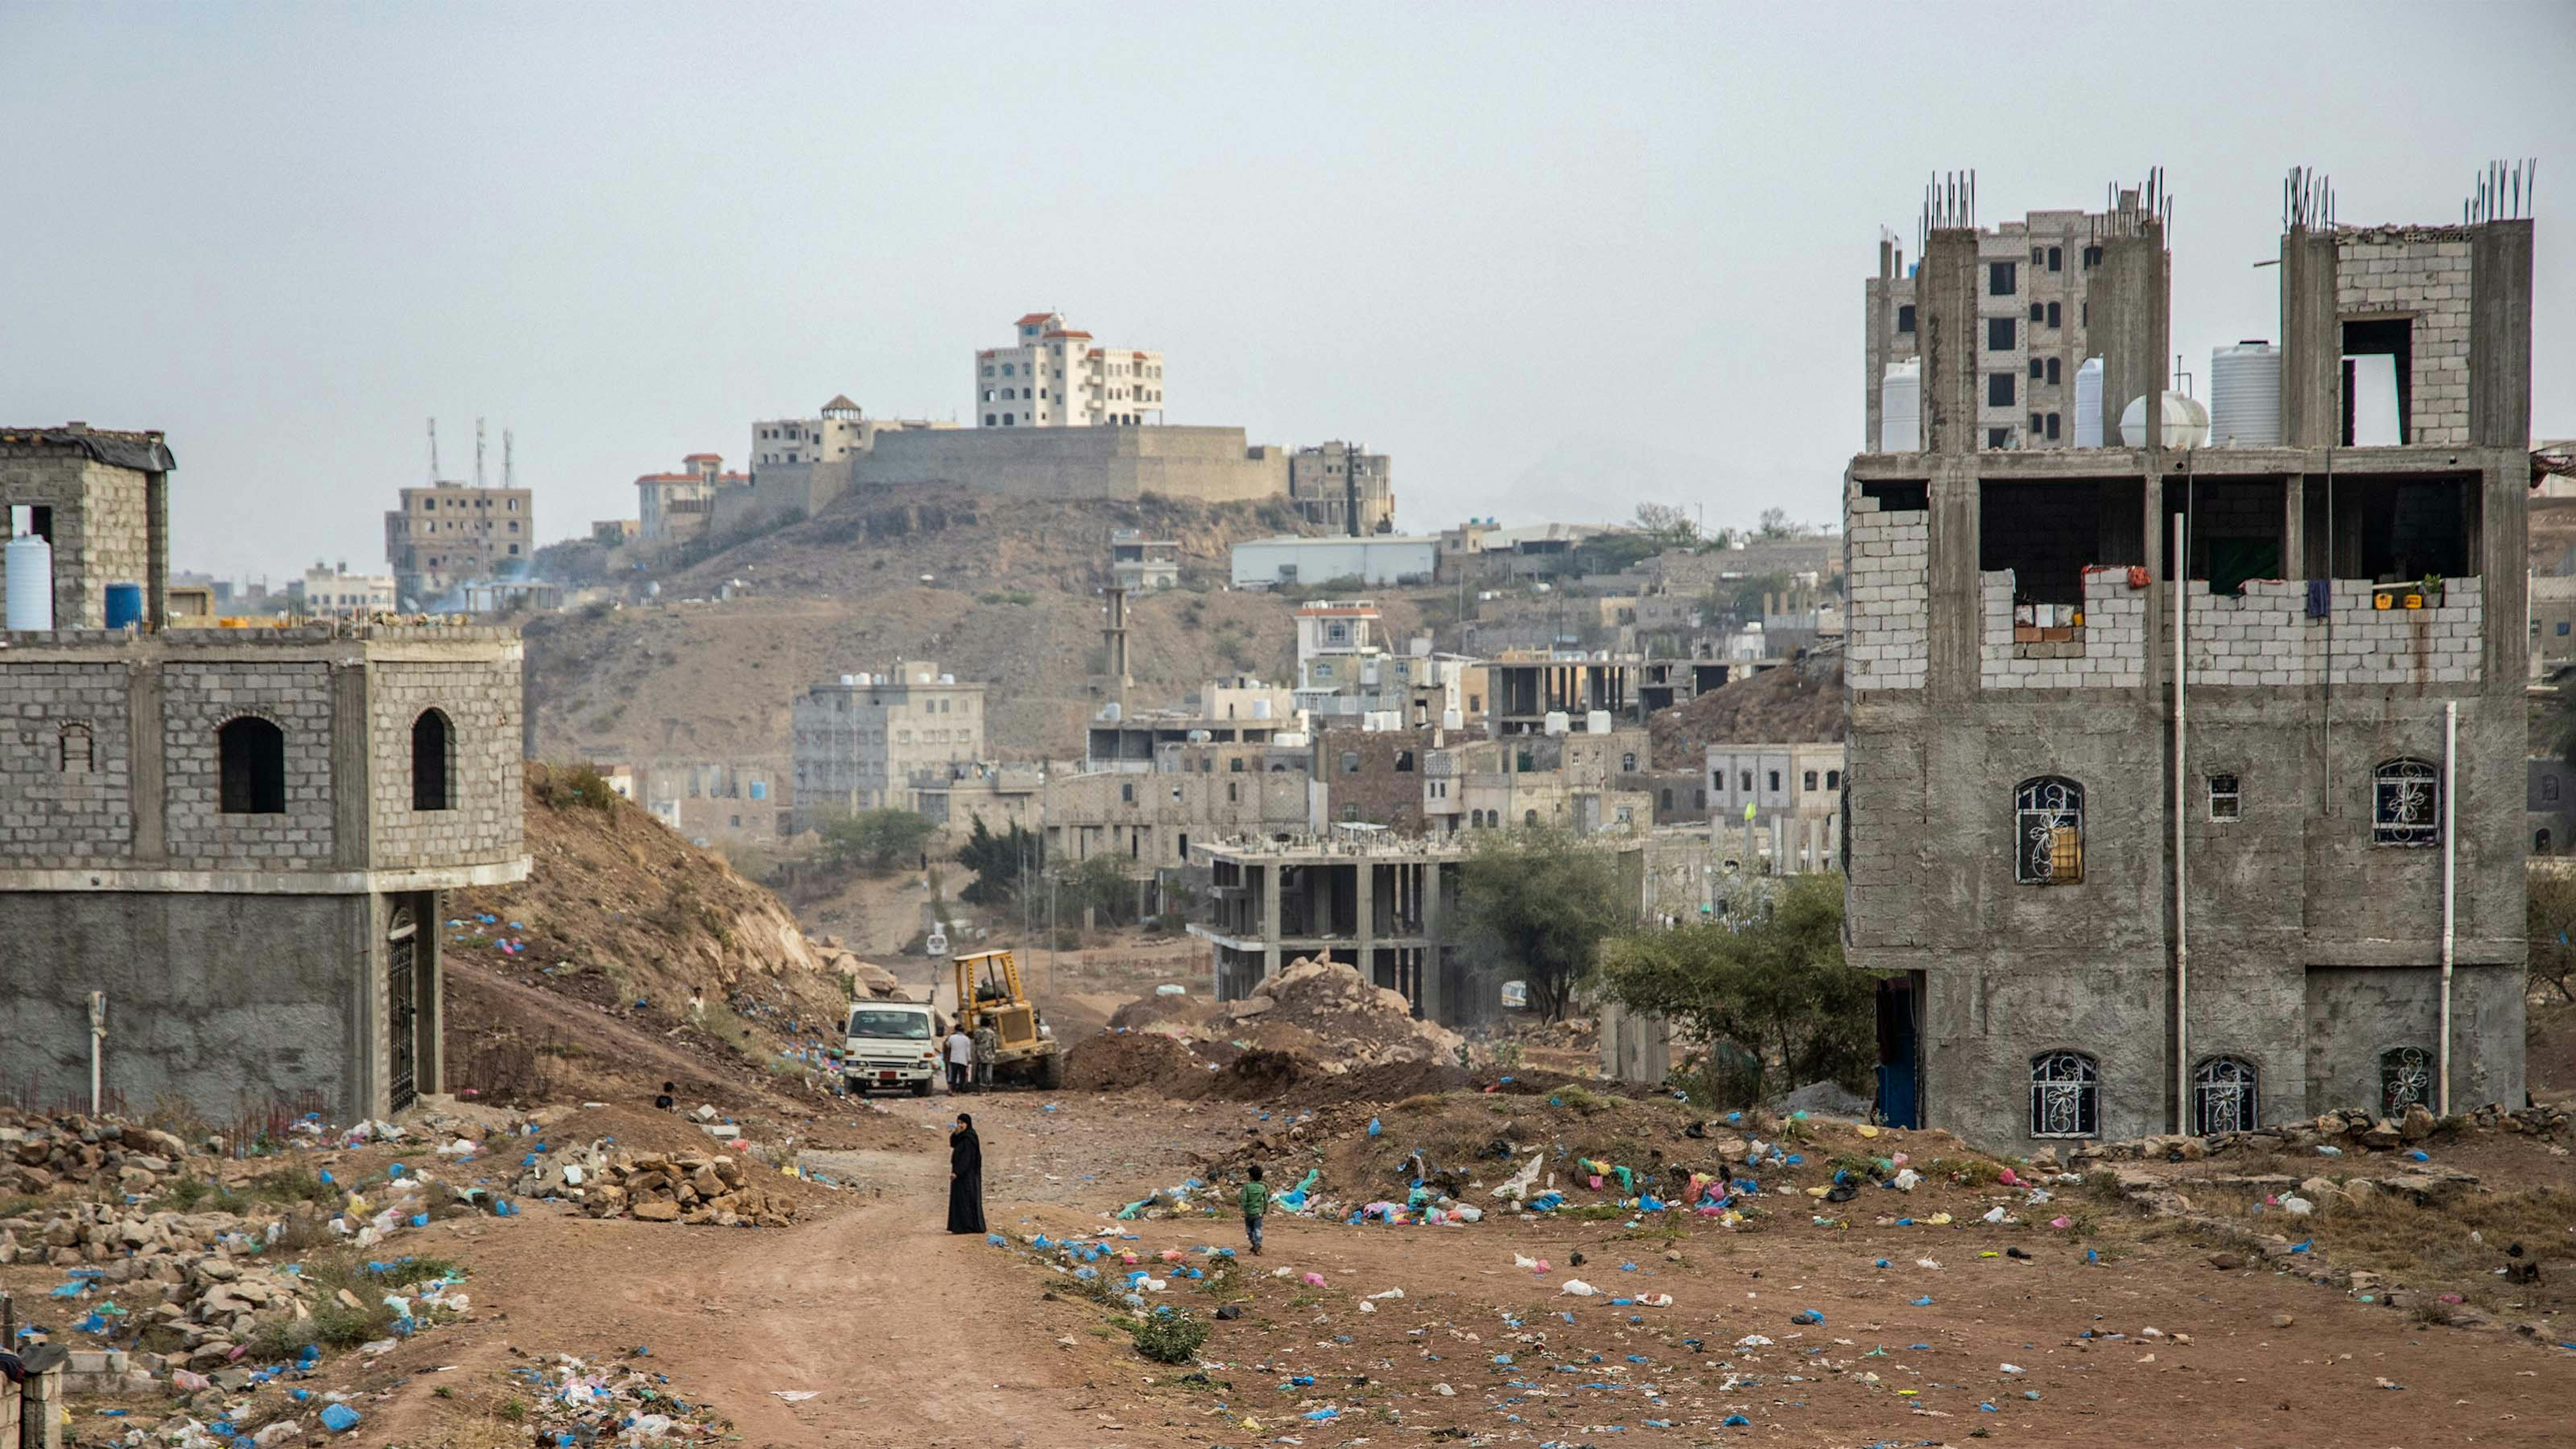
(1552, 258)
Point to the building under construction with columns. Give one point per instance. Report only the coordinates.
(2184, 779)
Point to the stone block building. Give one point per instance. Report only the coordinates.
(2111, 892)
(237, 838)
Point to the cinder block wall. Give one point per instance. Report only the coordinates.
(197, 700)
(481, 701)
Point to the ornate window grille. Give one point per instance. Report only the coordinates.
(2223, 1092)
(2048, 817)
(2406, 803)
(2405, 1079)
(2065, 1095)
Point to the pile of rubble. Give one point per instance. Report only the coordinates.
(612, 1404)
(37, 1154)
(192, 1285)
(656, 1187)
(2339, 1130)
(1323, 1009)
(868, 979)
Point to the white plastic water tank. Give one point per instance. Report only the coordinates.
(849, 681)
(1451, 719)
(1597, 722)
(30, 564)
(2088, 404)
(1200, 737)
(2186, 422)
(1900, 407)
(2245, 395)
(1261, 709)
(948, 679)
(1111, 711)
(1558, 722)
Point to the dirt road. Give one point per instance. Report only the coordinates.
(907, 1336)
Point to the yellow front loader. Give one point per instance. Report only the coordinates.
(988, 990)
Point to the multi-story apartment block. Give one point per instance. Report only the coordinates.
(451, 533)
(1346, 676)
(860, 741)
(340, 592)
(1054, 377)
(2033, 312)
(675, 507)
(2182, 781)
(1138, 563)
(1343, 487)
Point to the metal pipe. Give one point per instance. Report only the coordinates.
(2182, 878)
(97, 1052)
(2450, 897)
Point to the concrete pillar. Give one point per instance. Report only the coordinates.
(146, 773)
(1953, 630)
(2500, 339)
(1269, 917)
(156, 537)
(2311, 342)
(1945, 329)
(1364, 912)
(350, 780)
(1435, 925)
(2129, 299)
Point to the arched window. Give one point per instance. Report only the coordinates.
(74, 754)
(2540, 841)
(2406, 803)
(2065, 1095)
(252, 753)
(431, 743)
(1628, 762)
(2048, 820)
(2223, 1096)
(1529, 818)
(2405, 1080)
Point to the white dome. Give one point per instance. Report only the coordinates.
(2186, 422)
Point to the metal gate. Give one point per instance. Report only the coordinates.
(402, 1007)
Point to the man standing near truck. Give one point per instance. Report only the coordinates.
(987, 1043)
(961, 1057)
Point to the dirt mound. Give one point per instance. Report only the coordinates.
(619, 909)
(1796, 702)
(1350, 1023)
(1169, 1015)
(1133, 1061)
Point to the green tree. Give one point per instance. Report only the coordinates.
(997, 861)
(1100, 883)
(874, 839)
(1540, 901)
(1774, 995)
(1669, 524)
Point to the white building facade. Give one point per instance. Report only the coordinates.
(1055, 377)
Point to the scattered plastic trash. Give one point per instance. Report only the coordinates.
(1576, 1287)
(339, 1418)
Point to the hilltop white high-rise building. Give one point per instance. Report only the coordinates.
(1053, 377)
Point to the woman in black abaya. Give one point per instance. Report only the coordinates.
(965, 1177)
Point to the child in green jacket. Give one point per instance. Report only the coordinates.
(1256, 1201)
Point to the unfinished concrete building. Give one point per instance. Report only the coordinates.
(233, 843)
(1364, 896)
(2182, 778)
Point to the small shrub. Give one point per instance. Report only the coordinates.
(513, 1410)
(177, 1116)
(1168, 1337)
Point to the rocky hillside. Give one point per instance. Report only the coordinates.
(621, 912)
(1788, 705)
(1007, 593)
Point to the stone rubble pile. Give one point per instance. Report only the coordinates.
(37, 1155)
(2340, 1130)
(657, 1187)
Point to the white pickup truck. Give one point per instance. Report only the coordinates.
(891, 1044)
